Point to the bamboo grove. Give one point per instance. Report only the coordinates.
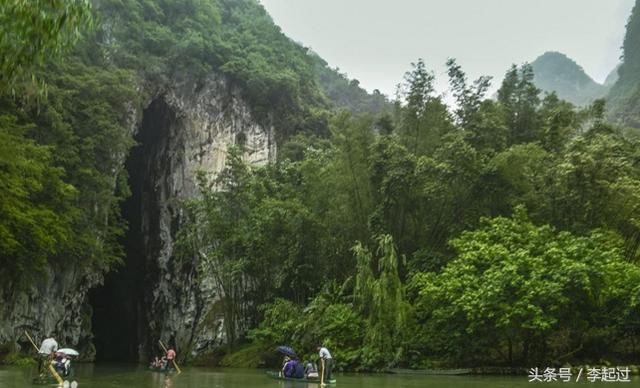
(499, 232)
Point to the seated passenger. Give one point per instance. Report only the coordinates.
(289, 367)
(298, 370)
(66, 366)
(61, 363)
(311, 370)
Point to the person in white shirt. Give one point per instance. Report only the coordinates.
(328, 361)
(47, 348)
(311, 370)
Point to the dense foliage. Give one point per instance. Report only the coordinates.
(413, 226)
(32, 31)
(522, 293)
(499, 231)
(71, 144)
(62, 151)
(345, 93)
(164, 40)
(64, 177)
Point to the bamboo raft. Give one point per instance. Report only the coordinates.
(276, 376)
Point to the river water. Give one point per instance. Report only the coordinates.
(120, 376)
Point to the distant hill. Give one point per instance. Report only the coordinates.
(624, 98)
(555, 72)
(346, 93)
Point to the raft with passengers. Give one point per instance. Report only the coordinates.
(54, 364)
(166, 364)
(293, 369)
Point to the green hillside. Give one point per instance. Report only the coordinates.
(346, 93)
(555, 72)
(499, 232)
(134, 49)
(624, 97)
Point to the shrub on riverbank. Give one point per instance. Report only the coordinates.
(17, 359)
(515, 294)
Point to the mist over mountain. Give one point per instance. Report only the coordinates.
(612, 77)
(555, 72)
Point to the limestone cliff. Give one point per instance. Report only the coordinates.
(184, 127)
(57, 306)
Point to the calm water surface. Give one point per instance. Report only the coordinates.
(111, 376)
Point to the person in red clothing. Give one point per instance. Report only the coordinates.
(171, 356)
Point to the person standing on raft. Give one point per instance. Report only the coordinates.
(325, 357)
(171, 356)
(47, 349)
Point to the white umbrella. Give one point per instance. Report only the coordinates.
(69, 351)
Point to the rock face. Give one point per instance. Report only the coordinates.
(184, 128)
(57, 306)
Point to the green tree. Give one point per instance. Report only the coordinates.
(449, 189)
(392, 170)
(352, 139)
(213, 237)
(379, 296)
(559, 123)
(468, 97)
(512, 286)
(283, 253)
(595, 185)
(519, 99)
(79, 134)
(34, 31)
(518, 175)
(37, 210)
(424, 117)
(487, 130)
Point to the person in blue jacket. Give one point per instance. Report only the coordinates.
(292, 368)
(289, 366)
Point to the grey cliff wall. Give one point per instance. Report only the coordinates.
(198, 123)
(183, 128)
(57, 306)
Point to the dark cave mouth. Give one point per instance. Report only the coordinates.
(120, 318)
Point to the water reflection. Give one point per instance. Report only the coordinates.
(160, 380)
(298, 384)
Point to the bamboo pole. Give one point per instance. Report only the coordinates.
(322, 384)
(173, 361)
(50, 367)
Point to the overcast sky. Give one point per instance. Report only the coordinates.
(375, 41)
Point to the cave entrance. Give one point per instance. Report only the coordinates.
(121, 306)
